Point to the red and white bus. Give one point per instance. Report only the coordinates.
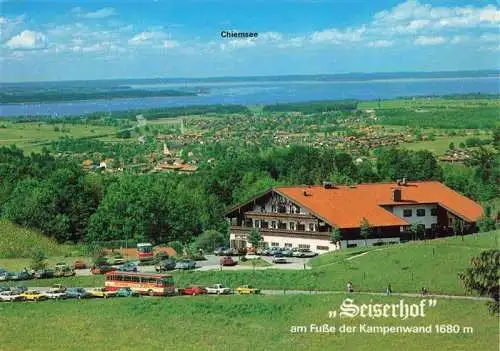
(143, 283)
(144, 251)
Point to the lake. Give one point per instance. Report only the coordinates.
(265, 92)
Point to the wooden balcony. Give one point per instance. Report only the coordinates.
(270, 215)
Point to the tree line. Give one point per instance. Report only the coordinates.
(67, 203)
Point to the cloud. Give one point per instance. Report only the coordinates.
(458, 39)
(490, 37)
(426, 40)
(336, 36)
(412, 16)
(270, 37)
(380, 43)
(10, 26)
(102, 13)
(169, 44)
(149, 38)
(27, 40)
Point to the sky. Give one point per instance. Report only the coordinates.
(79, 40)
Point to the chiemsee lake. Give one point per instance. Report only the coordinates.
(258, 91)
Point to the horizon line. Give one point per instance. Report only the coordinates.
(208, 78)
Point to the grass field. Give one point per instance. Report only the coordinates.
(232, 323)
(31, 136)
(440, 144)
(17, 242)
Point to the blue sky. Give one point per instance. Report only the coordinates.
(66, 40)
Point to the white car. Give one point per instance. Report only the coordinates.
(218, 289)
(11, 296)
(279, 258)
(55, 295)
(252, 256)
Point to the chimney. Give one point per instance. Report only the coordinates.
(396, 195)
(305, 193)
(405, 181)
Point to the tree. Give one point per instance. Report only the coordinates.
(483, 277)
(255, 238)
(365, 229)
(451, 146)
(486, 223)
(38, 259)
(335, 235)
(209, 240)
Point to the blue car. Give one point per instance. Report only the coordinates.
(128, 267)
(77, 293)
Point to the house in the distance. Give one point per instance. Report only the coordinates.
(303, 216)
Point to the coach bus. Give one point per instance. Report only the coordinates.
(143, 283)
(144, 251)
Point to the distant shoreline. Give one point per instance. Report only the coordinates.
(355, 76)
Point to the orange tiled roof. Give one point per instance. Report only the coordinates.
(345, 206)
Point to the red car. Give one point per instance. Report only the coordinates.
(102, 269)
(227, 261)
(79, 264)
(193, 290)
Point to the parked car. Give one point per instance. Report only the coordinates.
(185, 264)
(165, 265)
(287, 252)
(192, 290)
(247, 290)
(252, 256)
(77, 293)
(65, 271)
(113, 261)
(44, 273)
(55, 294)
(227, 261)
(102, 269)
(102, 292)
(57, 288)
(230, 252)
(128, 267)
(34, 295)
(61, 265)
(18, 276)
(279, 258)
(11, 296)
(219, 251)
(218, 289)
(304, 253)
(19, 289)
(126, 292)
(79, 264)
(4, 275)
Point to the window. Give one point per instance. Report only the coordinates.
(275, 244)
(288, 245)
(281, 225)
(434, 211)
(421, 212)
(301, 227)
(248, 223)
(273, 224)
(257, 223)
(304, 246)
(273, 208)
(264, 224)
(324, 248)
(407, 212)
(292, 225)
(312, 227)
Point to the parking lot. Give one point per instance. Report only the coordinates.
(212, 262)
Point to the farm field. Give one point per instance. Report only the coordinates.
(31, 136)
(215, 323)
(440, 144)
